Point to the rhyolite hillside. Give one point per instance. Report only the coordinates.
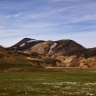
(40, 53)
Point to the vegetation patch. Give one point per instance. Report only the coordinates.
(69, 82)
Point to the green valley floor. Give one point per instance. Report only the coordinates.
(66, 82)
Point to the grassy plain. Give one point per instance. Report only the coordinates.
(59, 82)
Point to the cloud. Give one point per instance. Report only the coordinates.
(11, 34)
(87, 39)
(9, 41)
(68, 13)
(47, 19)
(56, 1)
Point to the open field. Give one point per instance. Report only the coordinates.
(67, 82)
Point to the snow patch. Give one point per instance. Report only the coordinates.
(32, 41)
(22, 45)
(52, 47)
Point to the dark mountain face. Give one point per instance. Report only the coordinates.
(24, 44)
(56, 48)
(61, 53)
(52, 48)
(66, 47)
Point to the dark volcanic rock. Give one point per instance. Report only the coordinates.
(61, 53)
(24, 44)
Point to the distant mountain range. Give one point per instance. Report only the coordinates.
(40, 53)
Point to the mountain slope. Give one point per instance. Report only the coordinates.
(56, 48)
(66, 47)
(24, 44)
(39, 53)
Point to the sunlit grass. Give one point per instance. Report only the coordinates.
(65, 83)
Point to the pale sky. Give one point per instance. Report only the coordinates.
(48, 20)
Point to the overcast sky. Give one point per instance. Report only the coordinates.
(48, 20)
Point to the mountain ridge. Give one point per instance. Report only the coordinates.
(40, 53)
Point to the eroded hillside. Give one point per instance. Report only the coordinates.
(29, 53)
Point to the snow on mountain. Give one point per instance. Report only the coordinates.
(22, 45)
(31, 41)
(52, 47)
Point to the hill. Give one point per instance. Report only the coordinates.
(29, 53)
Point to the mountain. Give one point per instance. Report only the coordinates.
(56, 48)
(39, 53)
(60, 47)
(25, 43)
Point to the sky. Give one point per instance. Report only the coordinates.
(48, 20)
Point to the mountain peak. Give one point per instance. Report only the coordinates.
(26, 39)
(25, 43)
(61, 53)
